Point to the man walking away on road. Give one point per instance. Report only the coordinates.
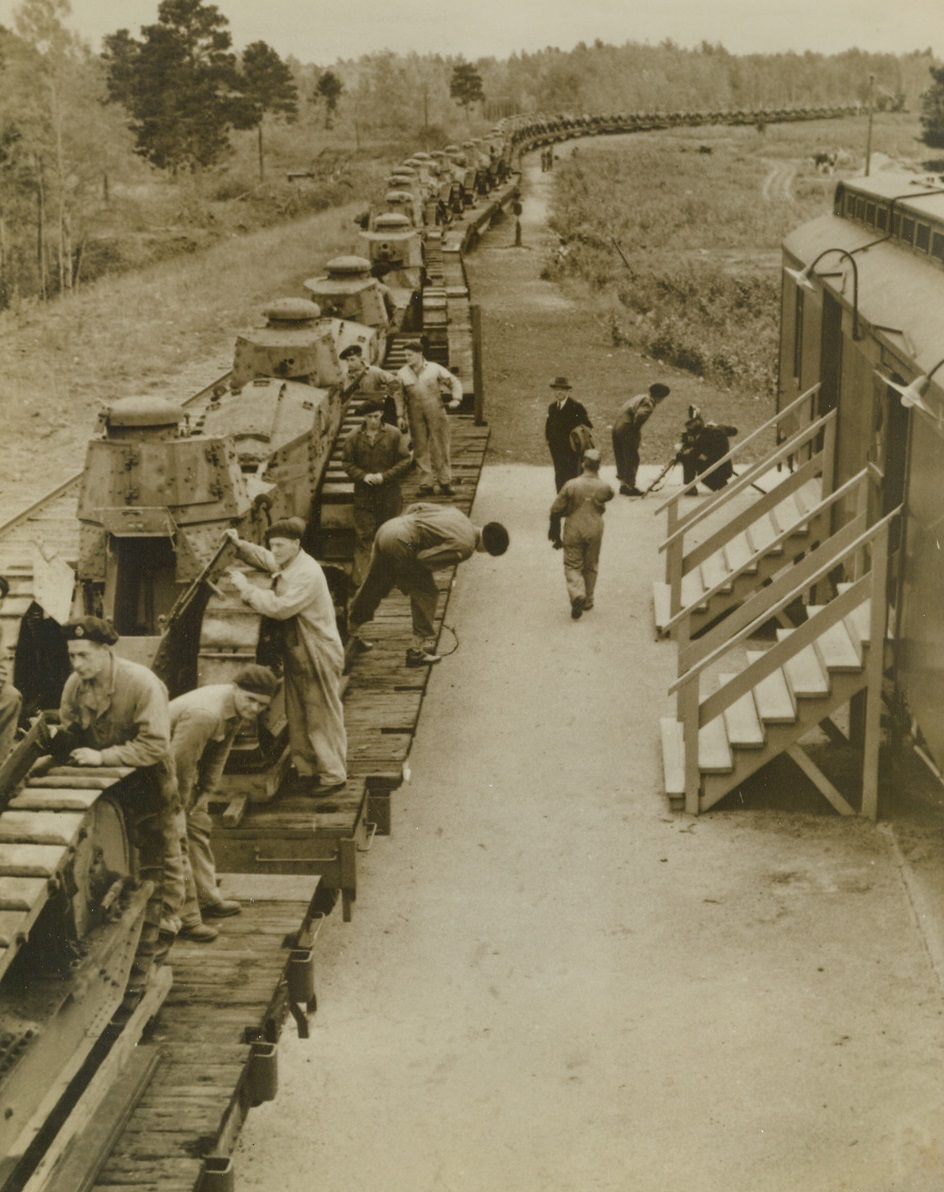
(407, 551)
(311, 651)
(423, 384)
(582, 503)
(204, 724)
(375, 457)
(627, 435)
(564, 416)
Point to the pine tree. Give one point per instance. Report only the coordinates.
(932, 110)
(465, 86)
(268, 86)
(329, 89)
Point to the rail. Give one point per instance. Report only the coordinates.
(693, 712)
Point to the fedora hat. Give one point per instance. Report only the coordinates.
(560, 383)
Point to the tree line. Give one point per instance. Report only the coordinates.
(170, 101)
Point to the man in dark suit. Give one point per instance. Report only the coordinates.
(564, 415)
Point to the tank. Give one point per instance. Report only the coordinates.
(356, 305)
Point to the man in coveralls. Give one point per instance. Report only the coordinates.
(204, 724)
(407, 550)
(627, 435)
(564, 416)
(312, 653)
(423, 384)
(375, 457)
(370, 381)
(582, 503)
(115, 712)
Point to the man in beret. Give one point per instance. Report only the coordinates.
(204, 724)
(424, 382)
(407, 550)
(11, 701)
(627, 435)
(114, 712)
(564, 416)
(312, 654)
(370, 381)
(582, 503)
(375, 457)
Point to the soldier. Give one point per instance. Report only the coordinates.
(627, 435)
(367, 380)
(582, 503)
(564, 416)
(423, 384)
(204, 724)
(115, 712)
(311, 651)
(407, 550)
(375, 457)
(11, 701)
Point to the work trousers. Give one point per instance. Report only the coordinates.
(626, 441)
(581, 563)
(392, 565)
(316, 733)
(371, 510)
(189, 868)
(429, 425)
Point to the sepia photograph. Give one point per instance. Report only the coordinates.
(471, 638)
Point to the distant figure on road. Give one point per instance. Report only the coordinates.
(582, 503)
(564, 416)
(407, 550)
(627, 435)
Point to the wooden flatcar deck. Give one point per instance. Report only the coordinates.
(294, 833)
(209, 1055)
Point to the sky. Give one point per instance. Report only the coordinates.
(322, 31)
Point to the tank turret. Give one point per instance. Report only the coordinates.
(393, 243)
(292, 345)
(358, 305)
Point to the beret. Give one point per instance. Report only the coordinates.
(258, 679)
(372, 407)
(92, 629)
(412, 345)
(288, 527)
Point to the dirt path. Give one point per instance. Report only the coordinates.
(778, 184)
(552, 985)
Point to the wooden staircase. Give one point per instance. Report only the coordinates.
(732, 542)
(741, 702)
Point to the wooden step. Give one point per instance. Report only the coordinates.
(792, 517)
(737, 552)
(673, 756)
(859, 621)
(804, 671)
(692, 588)
(714, 571)
(761, 533)
(714, 752)
(742, 724)
(774, 699)
(839, 650)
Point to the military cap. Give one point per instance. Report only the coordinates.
(561, 383)
(288, 527)
(90, 629)
(372, 407)
(351, 350)
(257, 679)
(413, 345)
(495, 538)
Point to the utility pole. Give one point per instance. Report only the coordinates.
(868, 139)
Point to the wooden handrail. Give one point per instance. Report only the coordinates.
(797, 590)
(777, 418)
(838, 495)
(746, 479)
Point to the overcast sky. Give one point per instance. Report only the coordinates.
(321, 31)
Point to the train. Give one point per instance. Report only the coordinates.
(136, 537)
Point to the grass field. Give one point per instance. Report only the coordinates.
(700, 215)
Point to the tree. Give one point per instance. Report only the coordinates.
(180, 83)
(932, 110)
(465, 86)
(268, 86)
(329, 88)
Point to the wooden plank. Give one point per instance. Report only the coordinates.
(804, 671)
(838, 650)
(40, 799)
(819, 780)
(714, 570)
(737, 552)
(761, 533)
(30, 860)
(12, 927)
(741, 721)
(773, 696)
(714, 753)
(21, 893)
(673, 755)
